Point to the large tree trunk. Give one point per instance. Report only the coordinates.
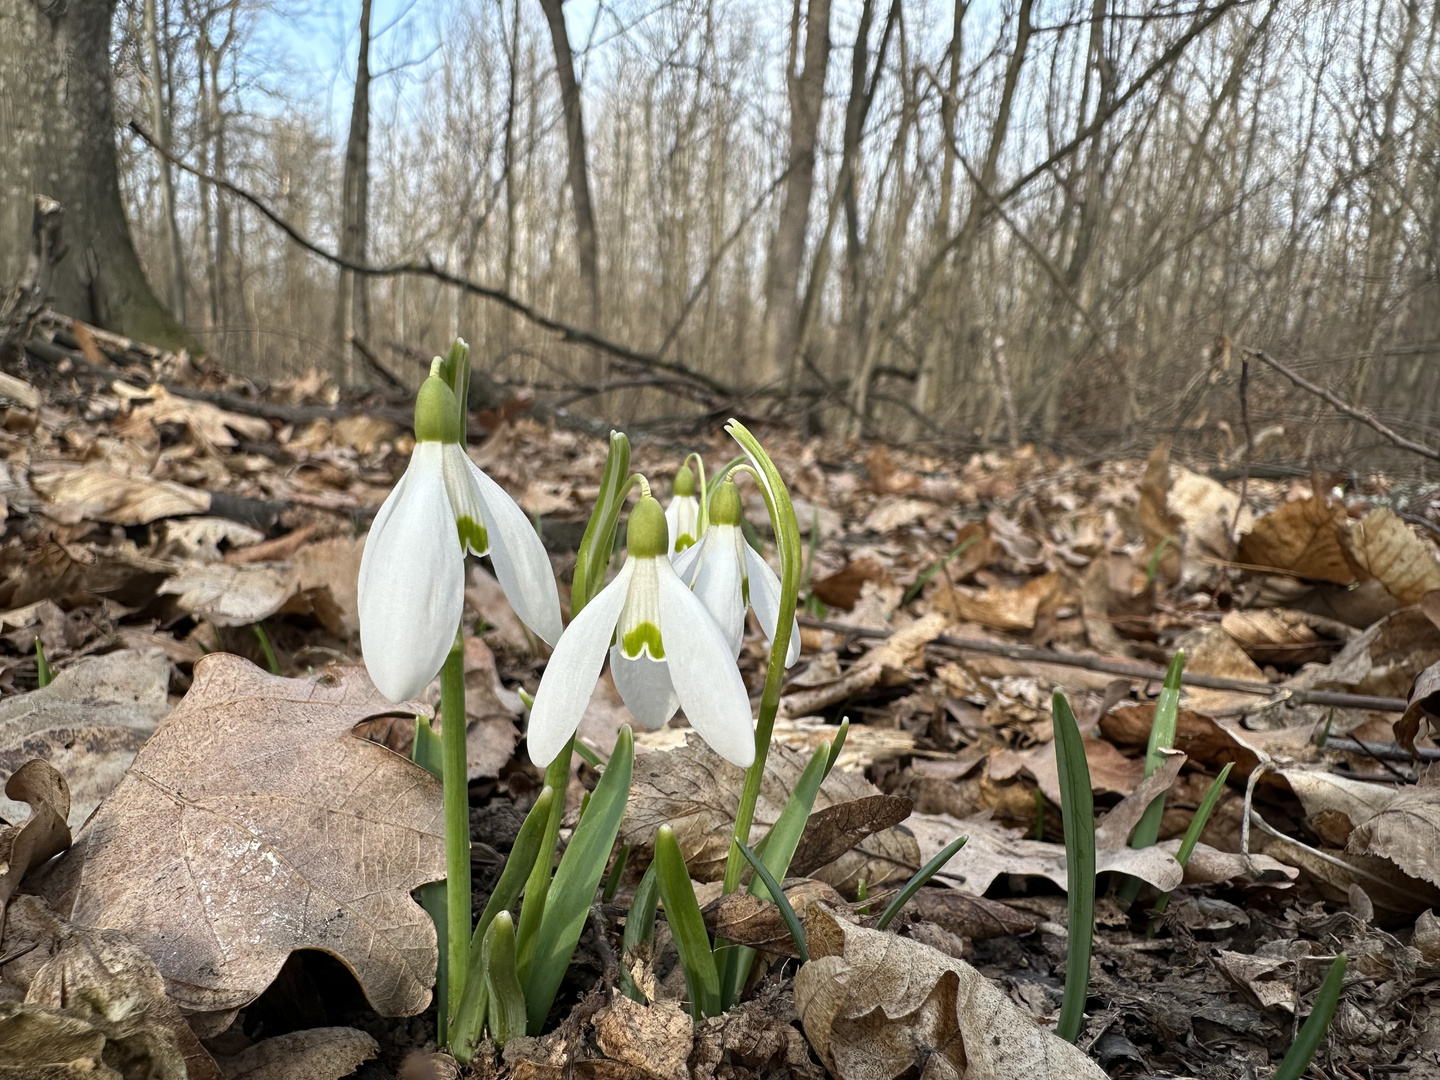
(352, 308)
(160, 122)
(579, 177)
(807, 96)
(57, 128)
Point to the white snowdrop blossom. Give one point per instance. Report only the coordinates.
(412, 573)
(665, 652)
(728, 576)
(682, 516)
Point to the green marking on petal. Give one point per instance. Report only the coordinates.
(684, 541)
(645, 635)
(745, 591)
(472, 534)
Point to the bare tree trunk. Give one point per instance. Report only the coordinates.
(352, 306)
(57, 128)
(511, 185)
(586, 239)
(937, 306)
(160, 122)
(807, 95)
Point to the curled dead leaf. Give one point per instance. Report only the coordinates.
(1307, 538)
(876, 1006)
(1389, 550)
(41, 836)
(99, 493)
(1424, 705)
(312, 1054)
(249, 826)
(749, 920)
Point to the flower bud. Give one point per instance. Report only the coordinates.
(647, 536)
(437, 414)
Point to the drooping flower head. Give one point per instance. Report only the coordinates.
(412, 572)
(729, 576)
(665, 652)
(683, 513)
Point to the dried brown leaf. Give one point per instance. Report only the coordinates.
(1390, 551)
(749, 920)
(1279, 636)
(312, 1054)
(1308, 538)
(1406, 831)
(88, 724)
(654, 1039)
(254, 823)
(42, 835)
(1424, 705)
(231, 595)
(100, 979)
(833, 830)
(695, 791)
(876, 1006)
(969, 916)
(98, 493)
(842, 588)
(999, 608)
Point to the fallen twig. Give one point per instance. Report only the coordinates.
(1362, 415)
(1132, 670)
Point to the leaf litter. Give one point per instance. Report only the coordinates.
(147, 529)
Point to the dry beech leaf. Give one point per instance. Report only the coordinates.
(842, 588)
(993, 850)
(1114, 827)
(1001, 609)
(96, 984)
(1406, 831)
(42, 835)
(209, 424)
(654, 1040)
(1308, 538)
(230, 595)
(695, 791)
(749, 920)
(327, 1053)
(1204, 511)
(1334, 804)
(253, 824)
(1390, 552)
(97, 493)
(876, 1006)
(968, 916)
(1281, 635)
(833, 830)
(88, 724)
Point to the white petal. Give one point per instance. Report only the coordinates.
(574, 666)
(465, 500)
(704, 673)
(765, 599)
(521, 565)
(412, 581)
(683, 518)
(718, 583)
(644, 686)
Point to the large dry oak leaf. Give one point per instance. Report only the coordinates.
(253, 824)
(876, 1006)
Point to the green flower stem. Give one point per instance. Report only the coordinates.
(787, 542)
(455, 778)
(425, 752)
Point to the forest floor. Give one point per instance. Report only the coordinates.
(157, 514)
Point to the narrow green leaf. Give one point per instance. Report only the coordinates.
(598, 541)
(537, 887)
(924, 874)
(1077, 807)
(779, 848)
(612, 883)
(837, 745)
(777, 894)
(639, 926)
(505, 1012)
(1197, 825)
(271, 661)
(935, 567)
(687, 926)
(1312, 1032)
(470, 1014)
(573, 890)
(43, 675)
(1162, 738)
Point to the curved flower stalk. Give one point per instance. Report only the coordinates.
(686, 513)
(667, 652)
(729, 576)
(412, 573)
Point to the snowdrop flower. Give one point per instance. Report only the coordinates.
(683, 514)
(728, 575)
(667, 652)
(412, 573)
